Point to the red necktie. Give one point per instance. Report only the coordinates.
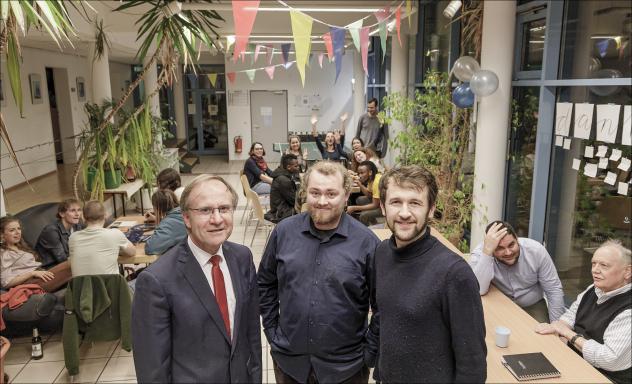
(220, 291)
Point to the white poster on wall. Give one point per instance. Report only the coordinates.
(583, 120)
(607, 122)
(563, 112)
(626, 138)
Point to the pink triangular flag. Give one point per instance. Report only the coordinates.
(270, 71)
(328, 45)
(243, 56)
(244, 14)
(320, 59)
(398, 22)
(270, 55)
(258, 48)
(231, 77)
(364, 47)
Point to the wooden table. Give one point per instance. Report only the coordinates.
(140, 257)
(500, 310)
(125, 190)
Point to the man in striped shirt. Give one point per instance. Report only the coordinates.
(598, 324)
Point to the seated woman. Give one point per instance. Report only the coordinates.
(171, 229)
(169, 178)
(364, 154)
(295, 149)
(332, 150)
(368, 209)
(257, 171)
(52, 243)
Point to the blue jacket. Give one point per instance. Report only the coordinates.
(168, 233)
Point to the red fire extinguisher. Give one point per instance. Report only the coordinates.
(238, 143)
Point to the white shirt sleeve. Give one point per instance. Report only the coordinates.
(615, 353)
(483, 267)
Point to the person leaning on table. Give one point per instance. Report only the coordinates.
(597, 325)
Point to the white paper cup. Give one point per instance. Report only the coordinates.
(502, 336)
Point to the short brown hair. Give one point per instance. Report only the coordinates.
(65, 205)
(184, 199)
(504, 224)
(163, 200)
(169, 178)
(94, 211)
(414, 176)
(326, 167)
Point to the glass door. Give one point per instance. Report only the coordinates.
(207, 123)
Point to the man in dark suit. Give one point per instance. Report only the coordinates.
(195, 316)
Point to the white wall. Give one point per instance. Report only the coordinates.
(35, 128)
(119, 74)
(336, 98)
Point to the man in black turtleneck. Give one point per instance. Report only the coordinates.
(431, 316)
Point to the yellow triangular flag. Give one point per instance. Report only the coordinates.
(409, 9)
(302, 31)
(212, 77)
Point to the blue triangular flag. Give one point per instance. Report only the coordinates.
(338, 42)
(285, 51)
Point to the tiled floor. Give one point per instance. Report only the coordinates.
(106, 361)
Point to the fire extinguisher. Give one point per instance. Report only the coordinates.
(238, 143)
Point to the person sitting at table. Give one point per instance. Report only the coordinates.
(52, 243)
(257, 171)
(363, 154)
(169, 178)
(520, 268)
(598, 324)
(368, 208)
(332, 150)
(295, 149)
(95, 250)
(170, 228)
(284, 187)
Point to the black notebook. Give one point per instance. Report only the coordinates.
(530, 366)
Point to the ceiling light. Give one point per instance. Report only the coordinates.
(452, 8)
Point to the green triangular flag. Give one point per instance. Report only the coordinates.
(251, 75)
(354, 30)
(383, 36)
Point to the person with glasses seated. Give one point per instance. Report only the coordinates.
(170, 229)
(257, 171)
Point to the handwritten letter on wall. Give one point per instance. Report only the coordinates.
(607, 122)
(563, 112)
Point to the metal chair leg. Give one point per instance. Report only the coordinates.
(254, 233)
(244, 214)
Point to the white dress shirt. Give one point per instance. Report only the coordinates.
(204, 258)
(615, 353)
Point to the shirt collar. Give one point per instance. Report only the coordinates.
(342, 229)
(201, 255)
(603, 296)
(63, 229)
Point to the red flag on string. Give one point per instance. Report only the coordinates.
(244, 14)
(231, 77)
(329, 45)
(398, 21)
(270, 71)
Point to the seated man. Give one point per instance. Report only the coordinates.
(52, 243)
(95, 250)
(598, 324)
(283, 191)
(521, 268)
(368, 211)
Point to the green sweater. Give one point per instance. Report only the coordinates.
(98, 308)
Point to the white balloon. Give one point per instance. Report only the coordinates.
(464, 68)
(484, 83)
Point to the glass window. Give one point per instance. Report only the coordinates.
(524, 123)
(532, 45)
(582, 211)
(596, 39)
(436, 27)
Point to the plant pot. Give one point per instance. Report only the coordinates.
(112, 179)
(90, 181)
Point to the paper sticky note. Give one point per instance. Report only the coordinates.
(563, 113)
(623, 188)
(576, 164)
(589, 151)
(590, 170)
(583, 120)
(624, 165)
(559, 141)
(607, 122)
(567, 143)
(615, 155)
(611, 178)
(602, 151)
(603, 163)
(626, 138)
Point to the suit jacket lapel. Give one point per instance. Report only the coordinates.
(192, 272)
(235, 277)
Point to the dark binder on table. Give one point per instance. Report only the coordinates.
(530, 366)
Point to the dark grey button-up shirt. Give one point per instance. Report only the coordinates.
(315, 296)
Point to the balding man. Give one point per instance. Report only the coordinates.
(598, 324)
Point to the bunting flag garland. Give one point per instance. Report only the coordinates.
(270, 71)
(285, 51)
(251, 74)
(244, 14)
(398, 22)
(338, 41)
(212, 77)
(354, 30)
(328, 45)
(231, 77)
(381, 17)
(409, 10)
(270, 55)
(320, 59)
(257, 49)
(364, 42)
(302, 31)
(288, 64)
(229, 42)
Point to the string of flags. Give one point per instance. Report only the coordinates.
(244, 15)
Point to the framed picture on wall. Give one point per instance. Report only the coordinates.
(37, 96)
(81, 89)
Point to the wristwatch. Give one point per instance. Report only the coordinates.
(577, 335)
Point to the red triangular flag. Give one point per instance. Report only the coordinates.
(364, 47)
(329, 45)
(270, 71)
(398, 21)
(231, 77)
(258, 48)
(244, 14)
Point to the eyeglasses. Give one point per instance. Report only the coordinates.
(208, 211)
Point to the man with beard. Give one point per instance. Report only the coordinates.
(521, 268)
(316, 284)
(431, 316)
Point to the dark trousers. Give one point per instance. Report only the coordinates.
(361, 377)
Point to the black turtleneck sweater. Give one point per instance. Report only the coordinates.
(432, 328)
